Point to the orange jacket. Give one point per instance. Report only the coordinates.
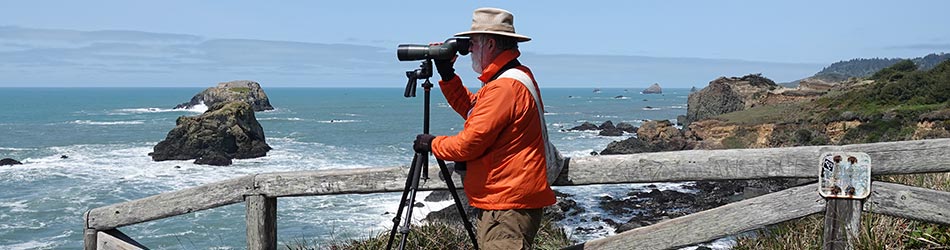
(501, 141)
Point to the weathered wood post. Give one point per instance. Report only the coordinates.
(845, 182)
(88, 234)
(89, 239)
(261, 222)
(842, 225)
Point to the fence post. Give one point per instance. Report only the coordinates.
(89, 239)
(89, 235)
(842, 223)
(261, 222)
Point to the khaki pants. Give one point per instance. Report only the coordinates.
(507, 229)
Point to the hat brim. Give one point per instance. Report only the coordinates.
(520, 38)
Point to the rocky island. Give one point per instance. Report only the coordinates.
(653, 89)
(226, 131)
(249, 92)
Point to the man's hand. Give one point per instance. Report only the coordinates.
(457, 168)
(423, 143)
(460, 168)
(446, 68)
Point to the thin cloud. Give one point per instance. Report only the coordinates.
(922, 46)
(104, 58)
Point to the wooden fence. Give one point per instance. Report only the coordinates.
(259, 192)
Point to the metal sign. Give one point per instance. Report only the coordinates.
(844, 175)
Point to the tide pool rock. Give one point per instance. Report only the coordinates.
(9, 162)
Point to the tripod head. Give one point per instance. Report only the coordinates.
(423, 72)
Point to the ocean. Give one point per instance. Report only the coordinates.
(84, 148)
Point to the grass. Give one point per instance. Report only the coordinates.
(879, 231)
(242, 90)
(777, 113)
(433, 235)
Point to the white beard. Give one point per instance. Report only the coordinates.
(477, 64)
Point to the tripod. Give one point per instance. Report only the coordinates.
(420, 167)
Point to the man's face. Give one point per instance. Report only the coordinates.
(482, 50)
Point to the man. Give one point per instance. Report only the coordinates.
(502, 140)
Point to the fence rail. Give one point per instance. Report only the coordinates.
(260, 191)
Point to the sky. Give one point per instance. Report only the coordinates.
(352, 43)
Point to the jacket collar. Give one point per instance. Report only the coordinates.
(496, 65)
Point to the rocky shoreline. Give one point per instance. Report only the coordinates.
(643, 207)
(743, 112)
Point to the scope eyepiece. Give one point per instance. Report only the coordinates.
(444, 51)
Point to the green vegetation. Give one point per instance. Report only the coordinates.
(435, 235)
(880, 231)
(866, 67)
(778, 113)
(897, 70)
(889, 110)
(242, 90)
(902, 84)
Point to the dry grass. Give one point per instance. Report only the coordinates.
(435, 235)
(880, 231)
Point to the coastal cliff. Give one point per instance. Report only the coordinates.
(897, 103)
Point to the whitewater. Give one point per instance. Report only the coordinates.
(84, 148)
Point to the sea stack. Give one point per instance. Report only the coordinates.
(249, 92)
(226, 131)
(653, 89)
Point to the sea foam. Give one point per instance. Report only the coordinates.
(88, 122)
(200, 108)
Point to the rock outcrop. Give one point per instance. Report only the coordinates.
(226, 131)
(607, 128)
(652, 136)
(9, 162)
(626, 127)
(933, 125)
(249, 92)
(585, 126)
(726, 95)
(653, 89)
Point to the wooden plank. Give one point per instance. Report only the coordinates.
(648, 167)
(346, 181)
(261, 222)
(842, 225)
(116, 240)
(715, 223)
(909, 202)
(921, 156)
(170, 204)
(889, 158)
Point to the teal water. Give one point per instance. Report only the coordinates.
(107, 133)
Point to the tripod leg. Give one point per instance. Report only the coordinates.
(402, 201)
(458, 203)
(421, 164)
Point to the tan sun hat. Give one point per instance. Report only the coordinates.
(494, 21)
